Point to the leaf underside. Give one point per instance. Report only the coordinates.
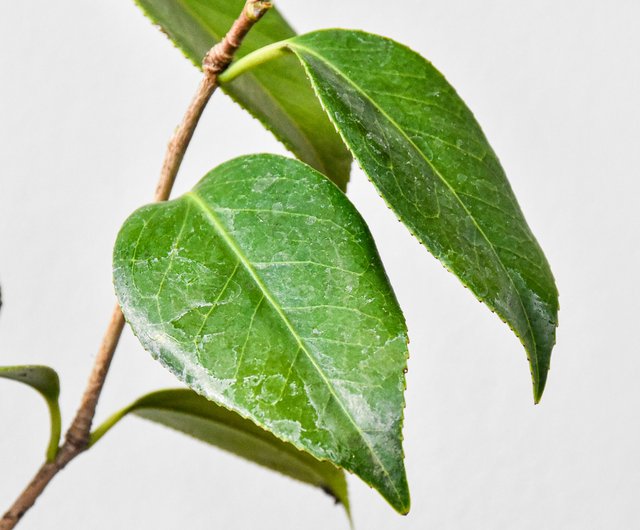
(278, 95)
(196, 416)
(262, 290)
(424, 151)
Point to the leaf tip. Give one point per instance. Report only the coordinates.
(405, 507)
(340, 499)
(400, 501)
(539, 385)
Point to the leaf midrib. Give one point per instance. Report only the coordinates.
(330, 65)
(227, 238)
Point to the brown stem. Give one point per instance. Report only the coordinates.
(214, 63)
(77, 437)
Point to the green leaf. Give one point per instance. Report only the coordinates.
(45, 380)
(262, 290)
(192, 414)
(424, 151)
(278, 95)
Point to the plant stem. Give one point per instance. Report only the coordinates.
(77, 437)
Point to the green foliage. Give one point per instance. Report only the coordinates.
(278, 95)
(424, 151)
(245, 289)
(45, 380)
(262, 289)
(192, 414)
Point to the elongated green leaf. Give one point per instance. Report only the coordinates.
(192, 414)
(427, 156)
(278, 95)
(262, 289)
(45, 380)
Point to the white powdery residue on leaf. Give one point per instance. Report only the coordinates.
(368, 419)
(289, 429)
(164, 348)
(192, 307)
(264, 183)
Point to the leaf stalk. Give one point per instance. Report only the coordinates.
(250, 61)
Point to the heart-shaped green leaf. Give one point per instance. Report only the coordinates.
(279, 95)
(424, 151)
(45, 380)
(262, 289)
(192, 414)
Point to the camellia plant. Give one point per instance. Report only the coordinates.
(261, 289)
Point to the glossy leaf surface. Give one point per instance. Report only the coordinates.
(262, 289)
(278, 95)
(44, 380)
(192, 414)
(427, 156)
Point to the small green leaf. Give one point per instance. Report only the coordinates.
(262, 289)
(192, 414)
(424, 151)
(279, 95)
(45, 380)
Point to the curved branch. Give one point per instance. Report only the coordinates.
(77, 438)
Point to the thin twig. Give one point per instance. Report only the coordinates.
(214, 63)
(77, 437)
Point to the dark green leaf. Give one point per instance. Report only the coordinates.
(262, 289)
(427, 156)
(278, 95)
(192, 414)
(45, 380)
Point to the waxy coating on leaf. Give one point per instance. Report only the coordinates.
(262, 290)
(185, 411)
(428, 158)
(278, 95)
(424, 151)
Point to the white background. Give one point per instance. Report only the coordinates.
(89, 95)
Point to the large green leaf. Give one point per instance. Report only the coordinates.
(427, 156)
(192, 414)
(262, 289)
(45, 380)
(278, 95)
